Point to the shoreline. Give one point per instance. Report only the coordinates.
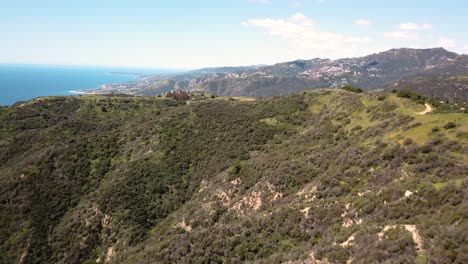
(135, 75)
(89, 90)
(82, 92)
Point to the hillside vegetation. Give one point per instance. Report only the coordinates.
(326, 176)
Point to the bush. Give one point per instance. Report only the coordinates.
(235, 169)
(426, 149)
(459, 133)
(351, 88)
(408, 141)
(450, 125)
(405, 93)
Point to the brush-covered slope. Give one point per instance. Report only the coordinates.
(320, 177)
(453, 88)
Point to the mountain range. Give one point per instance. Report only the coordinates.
(433, 72)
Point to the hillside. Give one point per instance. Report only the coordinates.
(324, 176)
(369, 72)
(444, 87)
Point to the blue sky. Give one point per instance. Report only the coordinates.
(191, 34)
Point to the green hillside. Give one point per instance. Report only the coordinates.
(326, 176)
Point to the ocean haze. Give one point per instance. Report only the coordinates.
(24, 82)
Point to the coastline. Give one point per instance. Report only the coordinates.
(109, 86)
(89, 90)
(20, 84)
(135, 75)
(82, 92)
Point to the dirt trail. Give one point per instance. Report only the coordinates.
(427, 110)
(410, 228)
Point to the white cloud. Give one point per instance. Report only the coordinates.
(404, 35)
(363, 22)
(446, 43)
(465, 47)
(260, 1)
(414, 26)
(302, 32)
(300, 19)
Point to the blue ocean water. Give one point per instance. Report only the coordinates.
(25, 82)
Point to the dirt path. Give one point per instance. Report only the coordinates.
(427, 110)
(410, 228)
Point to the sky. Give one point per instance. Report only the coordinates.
(206, 33)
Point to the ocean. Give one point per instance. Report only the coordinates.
(25, 82)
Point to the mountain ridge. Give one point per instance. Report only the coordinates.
(369, 72)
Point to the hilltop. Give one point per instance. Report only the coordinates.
(324, 176)
(395, 68)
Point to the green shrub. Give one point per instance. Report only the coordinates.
(405, 93)
(450, 125)
(408, 141)
(351, 88)
(236, 168)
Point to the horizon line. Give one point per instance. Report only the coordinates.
(173, 69)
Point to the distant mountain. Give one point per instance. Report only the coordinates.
(370, 72)
(448, 82)
(452, 88)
